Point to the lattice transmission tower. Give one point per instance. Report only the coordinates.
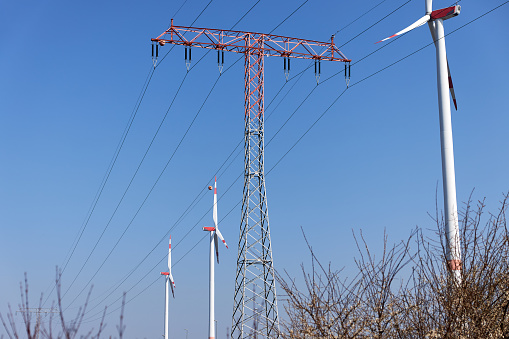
(255, 299)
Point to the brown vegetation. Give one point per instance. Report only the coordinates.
(68, 329)
(380, 303)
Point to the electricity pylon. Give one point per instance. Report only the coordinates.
(255, 269)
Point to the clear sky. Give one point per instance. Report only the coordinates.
(72, 72)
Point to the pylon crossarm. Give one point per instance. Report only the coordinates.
(240, 42)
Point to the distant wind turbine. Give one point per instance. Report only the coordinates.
(214, 234)
(435, 20)
(169, 283)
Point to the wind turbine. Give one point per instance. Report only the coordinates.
(169, 283)
(214, 234)
(435, 20)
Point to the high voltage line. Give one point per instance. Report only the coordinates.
(115, 156)
(165, 167)
(150, 191)
(132, 179)
(137, 106)
(301, 73)
(122, 140)
(317, 120)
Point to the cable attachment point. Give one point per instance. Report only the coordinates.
(347, 74)
(220, 60)
(188, 57)
(286, 67)
(318, 70)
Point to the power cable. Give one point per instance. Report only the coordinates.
(128, 186)
(175, 14)
(165, 256)
(145, 156)
(96, 200)
(301, 73)
(306, 97)
(116, 154)
(121, 142)
(331, 105)
(151, 189)
(207, 212)
(238, 21)
(189, 208)
(302, 4)
(376, 23)
(197, 199)
(163, 170)
(372, 8)
(106, 177)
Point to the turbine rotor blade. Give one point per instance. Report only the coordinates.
(429, 6)
(214, 213)
(172, 284)
(451, 87)
(215, 244)
(416, 24)
(221, 237)
(169, 257)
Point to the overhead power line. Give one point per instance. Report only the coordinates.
(327, 109)
(372, 8)
(141, 162)
(113, 161)
(299, 74)
(105, 179)
(376, 23)
(163, 170)
(147, 195)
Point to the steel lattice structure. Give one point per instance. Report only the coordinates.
(255, 311)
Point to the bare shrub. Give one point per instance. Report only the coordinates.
(427, 303)
(69, 329)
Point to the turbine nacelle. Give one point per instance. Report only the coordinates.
(217, 234)
(445, 13)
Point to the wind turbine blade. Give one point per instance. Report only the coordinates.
(221, 237)
(215, 244)
(429, 6)
(172, 284)
(416, 24)
(451, 87)
(432, 29)
(169, 257)
(214, 213)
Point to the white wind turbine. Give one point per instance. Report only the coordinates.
(214, 234)
(435, 20)
(169, 283)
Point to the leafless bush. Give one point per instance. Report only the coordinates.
(69, 329)
(428, 303)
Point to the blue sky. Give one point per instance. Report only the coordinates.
(71, 76)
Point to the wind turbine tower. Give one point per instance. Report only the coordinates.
(169, 283)
(254, 261)
(214, 235)
(435, 20)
